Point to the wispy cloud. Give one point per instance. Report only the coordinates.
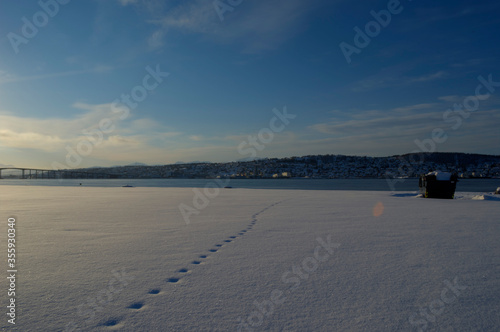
(11, 78)
(394, 76)
(390, 125)
(451, 99)
(127, 2)
(396, 129)
(429, 77)
(156, 40)
(417, 107)
(472, 62)
(256, 26)
(196, 138)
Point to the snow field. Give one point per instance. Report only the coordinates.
(103, 259)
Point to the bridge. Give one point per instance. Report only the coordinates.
(33, 173)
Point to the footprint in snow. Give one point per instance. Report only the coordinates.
(113, 323)
(136, 305)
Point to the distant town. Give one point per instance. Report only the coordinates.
(312, 167)
(319, 167)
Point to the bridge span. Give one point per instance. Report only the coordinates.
(34, 173)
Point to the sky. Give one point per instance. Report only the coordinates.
(115, 82)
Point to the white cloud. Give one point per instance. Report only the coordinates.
(118, 138)
(30, 140)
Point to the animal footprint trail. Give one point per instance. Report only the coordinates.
(217, 247)
(115, 323)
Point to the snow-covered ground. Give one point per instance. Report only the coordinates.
(103, 259)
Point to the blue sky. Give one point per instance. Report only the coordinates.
(229, 65)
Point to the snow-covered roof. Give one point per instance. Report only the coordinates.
(441, 176)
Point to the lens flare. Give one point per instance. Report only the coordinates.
(378, 209)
